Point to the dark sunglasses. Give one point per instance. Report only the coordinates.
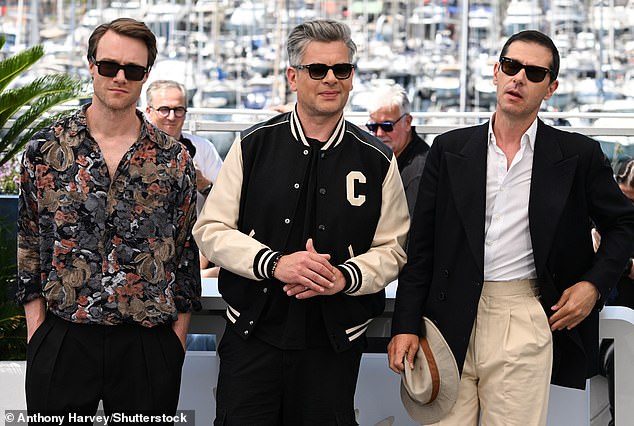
(179, 112)
(319, 71)
(533, 72)
(110, 69)
(386, 126)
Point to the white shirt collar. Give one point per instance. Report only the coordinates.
(530, 134)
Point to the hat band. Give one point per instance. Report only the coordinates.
(433, 369)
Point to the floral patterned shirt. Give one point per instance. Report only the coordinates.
(102, 250)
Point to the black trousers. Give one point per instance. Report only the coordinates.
(134, 370)
(261, 385)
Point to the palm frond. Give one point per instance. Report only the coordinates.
(15, 146)
(13, 100)
(11, 67)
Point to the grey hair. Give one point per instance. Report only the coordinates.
(389, 95)
(157, 85)
(625, 174)
(323, 30)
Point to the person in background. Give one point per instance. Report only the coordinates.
(107, 268)
(167, 109)
(500, 255)
(623, 293)
(390, 121)
(307, 221)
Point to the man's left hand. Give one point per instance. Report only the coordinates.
(573, 306)
(181, 325)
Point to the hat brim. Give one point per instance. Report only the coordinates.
(426, 412)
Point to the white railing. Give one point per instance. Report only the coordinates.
(426, 122)
(204, 120)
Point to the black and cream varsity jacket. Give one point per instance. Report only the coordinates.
(361, 216)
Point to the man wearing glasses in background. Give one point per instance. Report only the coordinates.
(500, 251)
(107, 268)
(307, 221)
(390, 121)
(167, 109)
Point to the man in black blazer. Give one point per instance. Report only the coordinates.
(500, 253)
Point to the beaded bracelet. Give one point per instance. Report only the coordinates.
(277, 259)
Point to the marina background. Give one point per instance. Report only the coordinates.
(231, 54)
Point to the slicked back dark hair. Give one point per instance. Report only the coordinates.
(128, 27)
(537, 37)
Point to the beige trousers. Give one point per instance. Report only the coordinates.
(506, 375)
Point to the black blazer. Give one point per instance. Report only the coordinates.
(572, 184)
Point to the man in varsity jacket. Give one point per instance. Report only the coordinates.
(307, 220)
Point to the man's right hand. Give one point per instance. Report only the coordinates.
(399, 346)
(35, 313)
(202, 181)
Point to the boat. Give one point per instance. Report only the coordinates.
(522, 15)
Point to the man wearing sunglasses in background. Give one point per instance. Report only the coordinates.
(107, 268)
(500, 253)
(390, 121)
(307, 221)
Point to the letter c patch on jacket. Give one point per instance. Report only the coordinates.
(351, 180)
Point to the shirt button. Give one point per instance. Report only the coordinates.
(250, 322)
(322, 191)
(246, 332)
(296, 186)
(322, 227)
(265, 290)
(323, 155)
(305, 152)
(287, 221)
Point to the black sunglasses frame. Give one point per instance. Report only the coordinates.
(386, 126)
(534, 73)
(107, 69)
(320, 71)
(179, 112)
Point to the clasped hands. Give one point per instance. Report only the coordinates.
(307, 274)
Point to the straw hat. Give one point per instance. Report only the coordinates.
(430, 390)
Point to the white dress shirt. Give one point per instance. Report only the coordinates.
(508, 250)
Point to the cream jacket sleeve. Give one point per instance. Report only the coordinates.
(216, 230)
(371, 271)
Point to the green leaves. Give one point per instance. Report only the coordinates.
(28, 105)
(12, 67)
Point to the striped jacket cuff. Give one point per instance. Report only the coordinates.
(263, 263)
(352, 274)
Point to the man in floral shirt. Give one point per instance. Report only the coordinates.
(108, 271)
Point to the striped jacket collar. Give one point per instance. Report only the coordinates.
(333, 140)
